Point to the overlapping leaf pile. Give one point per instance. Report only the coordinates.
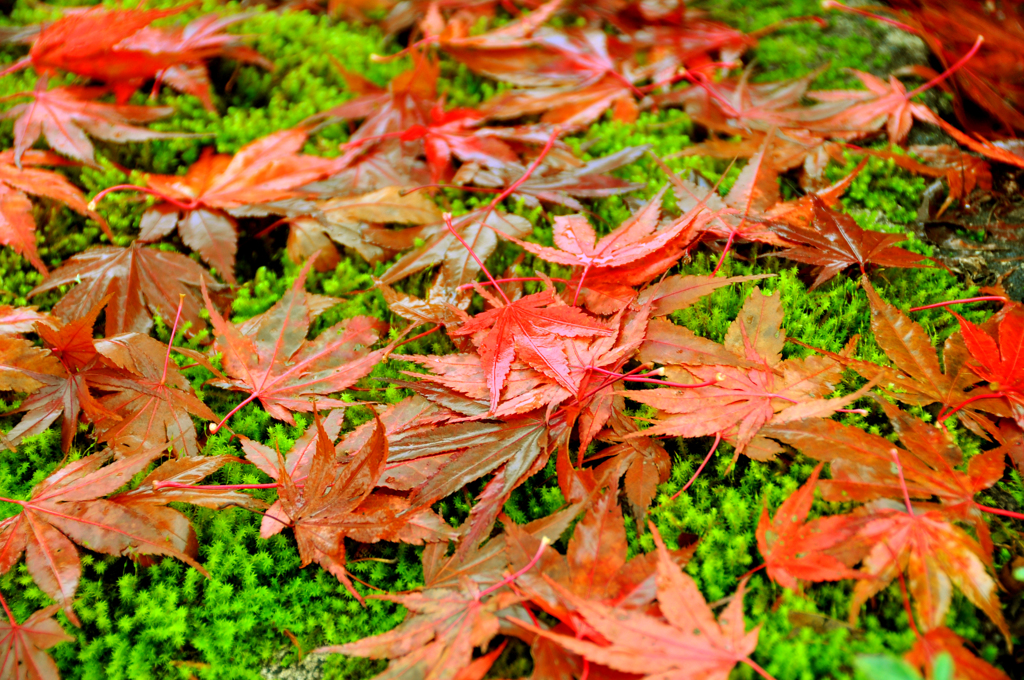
(553, 375)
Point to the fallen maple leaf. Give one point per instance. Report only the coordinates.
(999, 360)
(335, 502)
(680, 291)
(794, 548)
(528, 328)
(457, 133)
(514, 448)
(862, 465)
(299, 457)
(121, 48)
(639, 236)
(641, 462)
(269, 357)
(737, 398)
(141, 283)
(66, 115)
(478, 229)
(354, 222)
(17, 320)
(935, 554)
(456, 609)
(833, 241)
(1005, 151)
(562, 186)
(202, 204)
(60, 378)
(156, 409)
(881, 105)
(918, 380)
(189, 46)
(688, 639)
(733, 105)
(23, 645)
(86, 43)
(439, 636)
(69, 507)
(595, 567)
(944, 641)
(17, 226)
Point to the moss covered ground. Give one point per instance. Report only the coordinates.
(258, 608)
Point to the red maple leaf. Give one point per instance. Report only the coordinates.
(794, 548)
(269, 357)
(59, 379)
(141, 283)
(944, 641)
(862, 465)
(881, 105)
(203, 203)
(69, 507)
(120, 48)
(935, 554)
(478, 229)
(572, 76)
(457, 133)
(17, 226)
(554, 183)
(917, 379)
(335, 502)
(1000, 359)
(23, 645)
(154, 410)
(187, 48)
(689, 641)
(17, 320)
(67, 116)
(736, 397)
(639, 236)
(529, 328)
(736, 104)
(86, 43)
(834, 241)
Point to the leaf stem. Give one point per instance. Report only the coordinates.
(421, 335)
(526, 175)
(544, 542)
(215, 428)
(903, 482)
(967, 402)
(213, 487)
(725, 251)
(981, 298)
(170, 343)
(714, 447)
(949, 71)
(16, 66)
(146, 190)
(583, 276)
(476, 258)
(999, 511)
(7, 610)
(757, 668)
(273, 226)
(514, 279)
